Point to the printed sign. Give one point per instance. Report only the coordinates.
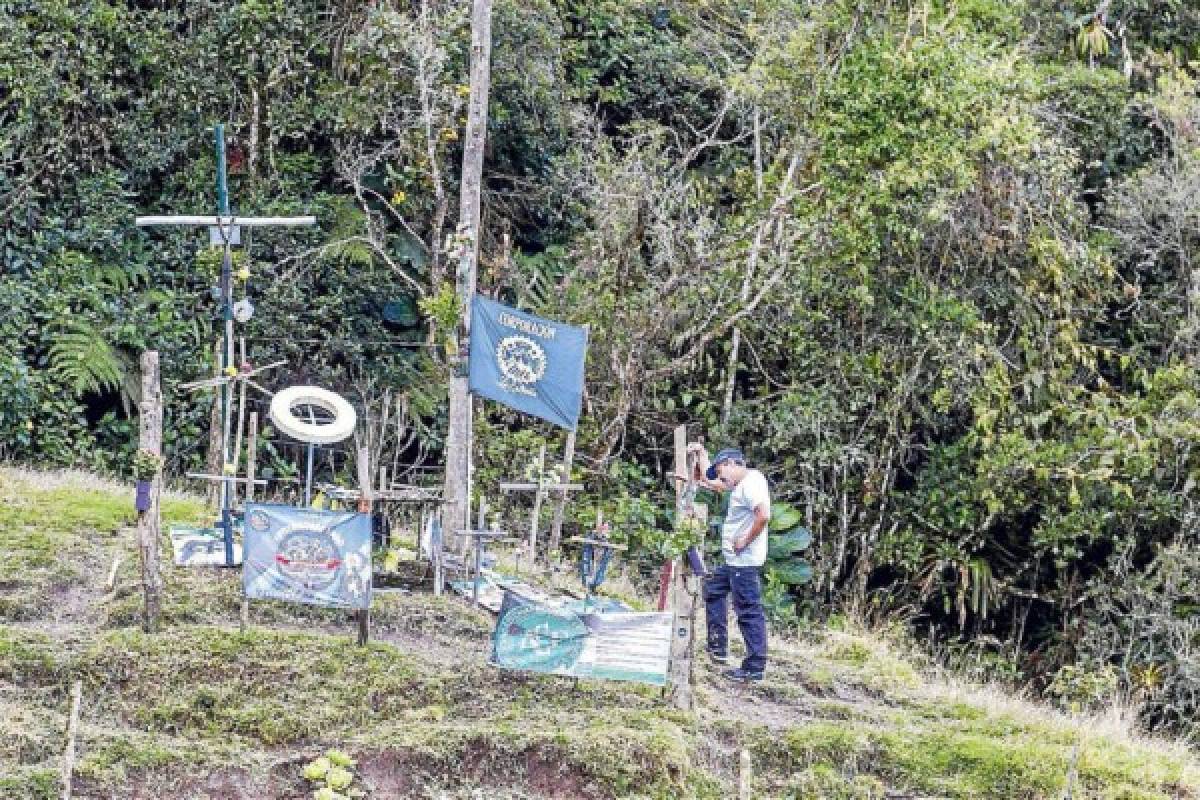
(528, 363)
(322, 558)
(201, 547)
(620, 646)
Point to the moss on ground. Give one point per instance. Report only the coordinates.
(980, 756)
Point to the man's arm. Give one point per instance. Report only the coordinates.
(701, 466)
(762, 515)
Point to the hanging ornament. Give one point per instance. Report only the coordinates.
(243, 310)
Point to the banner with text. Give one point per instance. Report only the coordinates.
(531, 364)
(322, 558)
(617, 646)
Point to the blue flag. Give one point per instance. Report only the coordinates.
(528, 363)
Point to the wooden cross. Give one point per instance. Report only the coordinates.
(224, 229)
(540, 489)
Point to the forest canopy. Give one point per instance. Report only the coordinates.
(929, 263)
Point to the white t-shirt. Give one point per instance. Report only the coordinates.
(739, 518)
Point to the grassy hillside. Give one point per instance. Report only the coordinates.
(206, 710)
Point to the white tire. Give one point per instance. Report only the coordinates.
(344, 416)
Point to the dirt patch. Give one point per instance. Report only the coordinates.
(532, 774)
(230, 783)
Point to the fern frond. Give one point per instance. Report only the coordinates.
(84, 361)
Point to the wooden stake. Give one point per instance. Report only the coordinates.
(366, 502)
(251, 456)
(745, 775)
(683, 590)
(148, 521)
(68, 768)
(241, 423)
(214, 463)
(111, 582)
(537, 505)
(560, 507)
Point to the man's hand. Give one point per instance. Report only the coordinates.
(762, 516)
(702, 460)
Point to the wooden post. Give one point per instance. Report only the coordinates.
(111, 583)
(538, 496)
(561, 506)
(68, 768)
(683, 587)
(241, 423)
(150, 439)
(251, 456)
(745, 775)
(214, 462)
(251, 470)
(666, 577)
(458, 435)
(366, 502)
(437, 548)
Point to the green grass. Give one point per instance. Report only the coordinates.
(202, 704)
(54, 537)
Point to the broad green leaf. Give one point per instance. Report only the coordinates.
(794, 573)
(784, 517)
(783, 545)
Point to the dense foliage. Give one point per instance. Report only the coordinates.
(931, 264)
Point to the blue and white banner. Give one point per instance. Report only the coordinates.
(322, 558)
(528, 363)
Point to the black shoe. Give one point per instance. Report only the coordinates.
(717, 658)
(743, 675)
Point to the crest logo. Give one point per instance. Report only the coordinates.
(522, 363)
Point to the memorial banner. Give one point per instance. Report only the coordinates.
(531, 364)
(321, 558)
(621, 646)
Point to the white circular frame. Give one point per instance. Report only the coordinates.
(344, 416)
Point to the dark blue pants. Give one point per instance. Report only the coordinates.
(746, 587)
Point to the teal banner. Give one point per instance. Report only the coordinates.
(621, 646)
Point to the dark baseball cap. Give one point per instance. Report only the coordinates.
(724, 454)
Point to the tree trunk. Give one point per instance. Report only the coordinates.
(456, 495)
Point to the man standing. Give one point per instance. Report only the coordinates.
(744, 549)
